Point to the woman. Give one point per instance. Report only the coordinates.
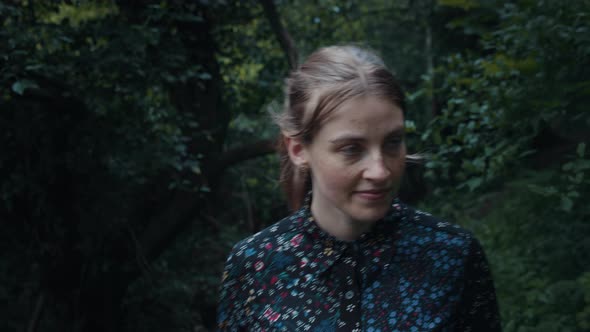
(352, 257)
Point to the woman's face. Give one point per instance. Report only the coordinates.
(357, 160)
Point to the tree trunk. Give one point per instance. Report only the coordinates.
(283, 36)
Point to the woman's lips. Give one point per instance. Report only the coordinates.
(373, 195)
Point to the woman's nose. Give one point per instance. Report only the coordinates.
(376, 169)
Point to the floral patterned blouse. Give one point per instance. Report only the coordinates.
(411, 272)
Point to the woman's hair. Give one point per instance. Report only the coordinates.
(328, 78)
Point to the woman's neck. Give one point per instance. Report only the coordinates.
(336, 223)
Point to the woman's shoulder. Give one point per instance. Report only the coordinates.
(443, 247)
(267, 240)
(420, 229)
(415, 218)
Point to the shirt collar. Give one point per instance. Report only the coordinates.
(325, 249)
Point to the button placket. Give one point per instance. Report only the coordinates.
(350, 305)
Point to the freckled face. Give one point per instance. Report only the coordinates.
(357, 160)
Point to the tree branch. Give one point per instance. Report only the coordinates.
(39, 305)
(166, 225)
(243, 153)
(184, 205)
(281, 33)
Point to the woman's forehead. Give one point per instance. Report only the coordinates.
(366, 112)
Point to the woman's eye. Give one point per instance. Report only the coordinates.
(394, 143)
(350, 150)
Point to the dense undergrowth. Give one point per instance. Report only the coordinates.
(538, 252)
(114, 116)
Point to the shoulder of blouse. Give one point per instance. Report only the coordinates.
(433, 237)
(414, 217)
(274, 231)
(246, 257)
(260, 244)
(477, 309)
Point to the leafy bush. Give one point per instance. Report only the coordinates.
(507, 158)
(525, 82)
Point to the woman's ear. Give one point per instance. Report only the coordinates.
(296, 150)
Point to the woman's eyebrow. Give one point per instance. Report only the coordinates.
(399, 131)
(347, 138)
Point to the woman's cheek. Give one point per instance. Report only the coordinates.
(331, 173)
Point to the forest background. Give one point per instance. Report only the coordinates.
(137, 148)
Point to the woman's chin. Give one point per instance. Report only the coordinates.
(369, 213)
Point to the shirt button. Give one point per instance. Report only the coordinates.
(349, 295)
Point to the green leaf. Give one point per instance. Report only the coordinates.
(474, 183)
(573, 194)
(252, 182)
(204, 76)
(542, 190)
(566, 204)
(581, 149)
(19, 87)
(196, 169)
(410, 126)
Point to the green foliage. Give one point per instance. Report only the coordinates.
(510, 111)
(571, 183)
(107, 115)
(536, 250)
(583, 316)
(496, 104)
(91, 124)
(473, 144)
(178, 290)
(108, 60)
(80, 13)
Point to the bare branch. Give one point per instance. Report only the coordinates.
(281, 33)
(39, 305)
(184, 206)
(243, 153)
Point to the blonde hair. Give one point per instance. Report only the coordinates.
(329, 77)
